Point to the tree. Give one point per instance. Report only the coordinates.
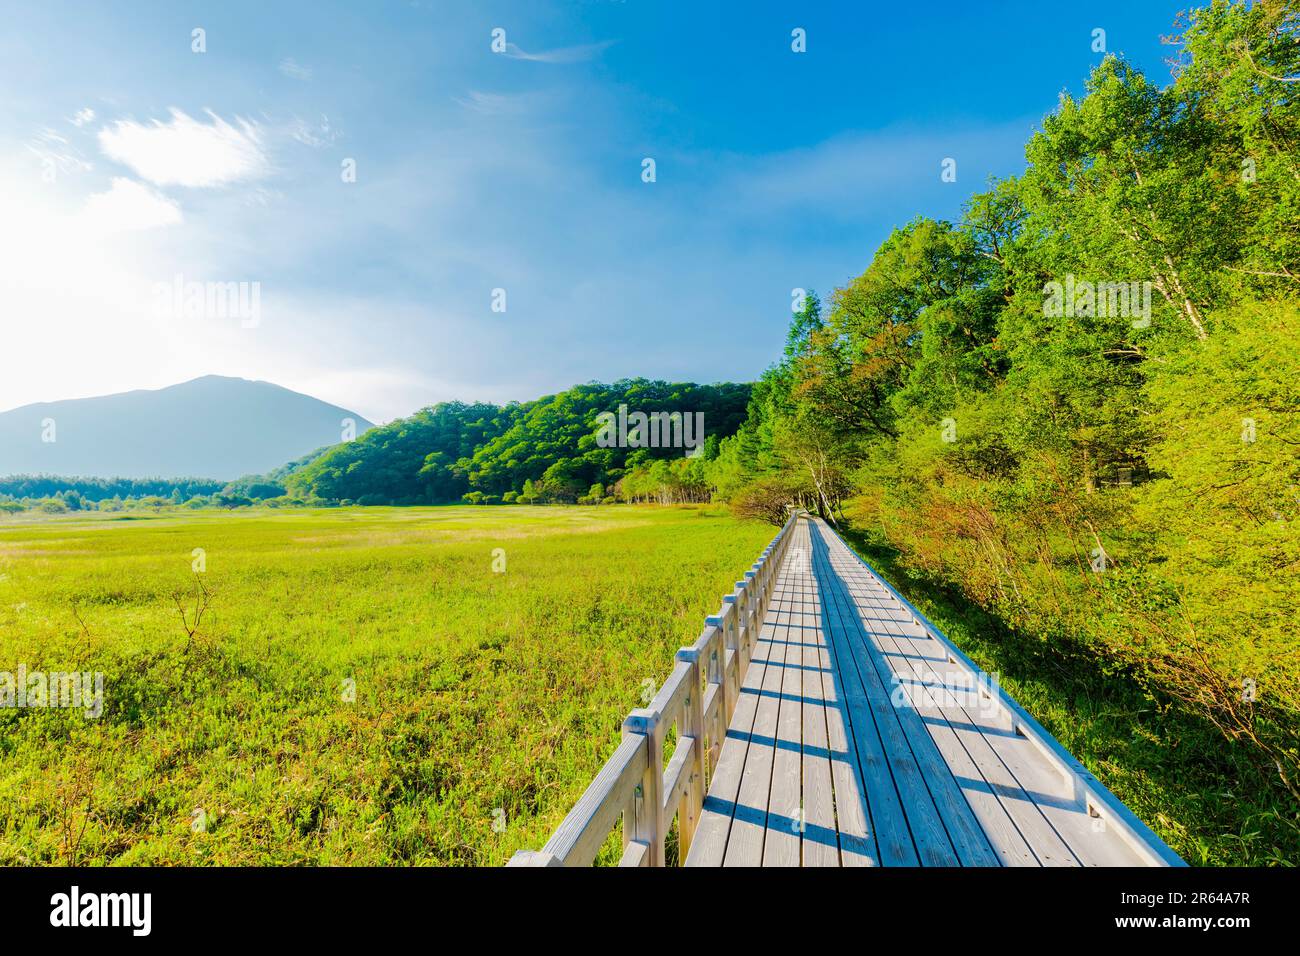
(1111, 475)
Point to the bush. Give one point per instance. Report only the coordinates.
(768, 500)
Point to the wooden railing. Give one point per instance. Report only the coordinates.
(698, 699)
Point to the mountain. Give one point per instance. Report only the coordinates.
(212, 427)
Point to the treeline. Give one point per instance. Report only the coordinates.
(996, 401)
(54, 495)
(243, 494)
(562, 448)
(97, 489)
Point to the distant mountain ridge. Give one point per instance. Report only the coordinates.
(212, 427)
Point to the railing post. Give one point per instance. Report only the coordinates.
(745, 608)
(751, 630)
(770, 567)
(688, 816)
(755, 587)
(714, 662)
(649, 826)
(720, 622)
(730, 634)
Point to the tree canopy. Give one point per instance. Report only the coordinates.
(544, 450)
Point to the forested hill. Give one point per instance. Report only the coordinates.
(543, 450)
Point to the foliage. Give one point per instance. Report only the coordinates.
(1079, 470)
(97, 489)
(541, 451)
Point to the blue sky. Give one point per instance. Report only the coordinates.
(127, 160)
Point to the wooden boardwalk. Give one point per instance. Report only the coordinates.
(858, 736)
(859, 741)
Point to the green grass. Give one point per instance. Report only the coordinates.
(1209, 800)
(475, 690)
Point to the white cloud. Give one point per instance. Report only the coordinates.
(82, 117)
(186, 151)
(128, 206)
(316, 135)
(56, 153)
(294, 70)
(568, 54)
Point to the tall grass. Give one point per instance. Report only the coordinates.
(484, 701)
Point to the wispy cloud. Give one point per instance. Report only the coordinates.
(56, 152)
(495, 104)
(188, 152)
(294, 70)
(568, 54)
(82, 117)
(315, 135)
(128, 206)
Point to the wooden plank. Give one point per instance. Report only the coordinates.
(943, 828)
(977, 769)
(677, 775)
(1015, 826)
(884, 816)
(1132, 831)
(963, 831)
(710, 844)
(668, 699)
(785, 821)
(713, 723)
(821, 838)
(749, 823)
(635, 854)
(1032, 789)
(1037, 796)
(857, 838)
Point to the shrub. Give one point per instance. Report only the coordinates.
(767, 499)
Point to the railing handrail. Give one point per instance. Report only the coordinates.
(698, 698)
